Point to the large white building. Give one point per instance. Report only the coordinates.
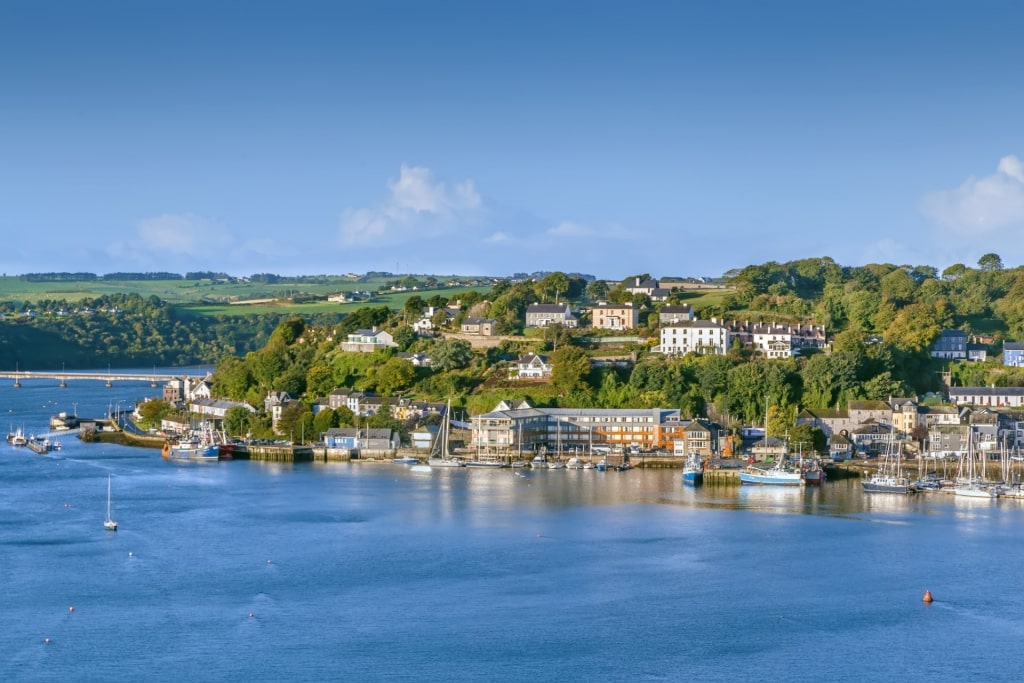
(694, 336)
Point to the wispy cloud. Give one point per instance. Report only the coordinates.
(986, 204)
(416, 203)
(173, 235)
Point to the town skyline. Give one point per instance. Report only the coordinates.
(488, 140)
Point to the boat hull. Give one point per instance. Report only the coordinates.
(693, 478)
(771, 478)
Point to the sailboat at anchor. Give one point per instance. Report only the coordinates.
(109, 524)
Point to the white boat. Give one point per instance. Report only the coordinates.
(421, 469)
(486, 464)
(776, 475)
(539, 462)
(970, 481)
(109, 524)
(439, 455)
(574, 463)
(889, 478)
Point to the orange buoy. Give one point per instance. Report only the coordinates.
(927, 596)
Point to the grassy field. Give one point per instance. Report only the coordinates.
(205, 297)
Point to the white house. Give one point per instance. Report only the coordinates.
(694, 336)
(531, 366)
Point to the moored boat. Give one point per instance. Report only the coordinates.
(693, 469)
(777, 475)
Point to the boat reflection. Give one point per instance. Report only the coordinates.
(786, 499)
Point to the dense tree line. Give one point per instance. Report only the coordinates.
(128, 330)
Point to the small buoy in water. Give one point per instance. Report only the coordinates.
(67, 505)
(927, 596)
(251, 615)
(269, 562)
(130, 554)
(71, 609)
(46, 640)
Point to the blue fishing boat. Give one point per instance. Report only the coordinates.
(693, 469)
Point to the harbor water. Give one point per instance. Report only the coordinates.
(371, 572)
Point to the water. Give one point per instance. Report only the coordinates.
(367, 572)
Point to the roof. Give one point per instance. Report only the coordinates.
(547, 308)
(1013, 346)
(986, 391)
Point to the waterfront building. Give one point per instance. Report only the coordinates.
(516, 424)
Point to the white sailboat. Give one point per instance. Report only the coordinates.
(109, 524)
(439, 455)
(970, 482)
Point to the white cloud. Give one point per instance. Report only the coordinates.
(416, 203)
(570, 229)
(173, 235)
(982, 204)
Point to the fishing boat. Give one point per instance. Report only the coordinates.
(439, 450)
(17, 437)
(889, 478)
(778, 474)
(574, 463)
(693, 469)
(109, 524)
(812, 471)
(539, 462)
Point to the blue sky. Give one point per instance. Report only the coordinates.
(613, 138)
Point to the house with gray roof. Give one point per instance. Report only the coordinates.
(542, 315)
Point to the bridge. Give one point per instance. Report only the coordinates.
(109, 378)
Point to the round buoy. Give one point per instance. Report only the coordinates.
(130, 554)
(71, 609)
(927, 596)
(269, 562)
(251, 615)
(46, 640)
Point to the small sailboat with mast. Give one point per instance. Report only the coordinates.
(109, 524)
(439, 450)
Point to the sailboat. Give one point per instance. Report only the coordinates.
(777, 475)
(889, 478)
(108, 523)
(970, 481)
(439, 455)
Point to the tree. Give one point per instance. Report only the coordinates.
(404, 337)
(153, 411)
(990, 262)
(597, 290)
(450, 354)
(324, 420)
(413, 309)
(552, 286)
(320, 380)
(395, 374)
(954, 272)
(236, 421)
(570, 368)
